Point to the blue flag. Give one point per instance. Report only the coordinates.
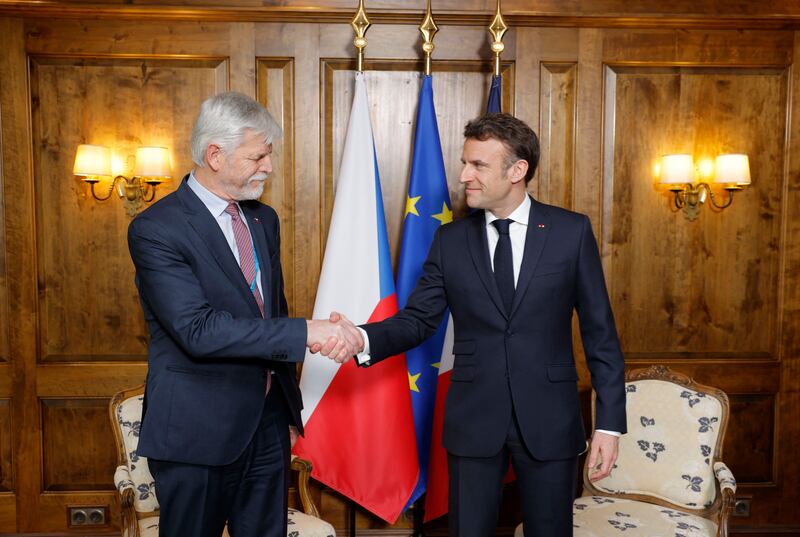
(427, 208)
(495, 92)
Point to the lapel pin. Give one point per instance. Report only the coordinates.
(256, 220)
(541, 226)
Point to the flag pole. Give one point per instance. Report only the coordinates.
(428, 29)
(497, 28)
(360, 24)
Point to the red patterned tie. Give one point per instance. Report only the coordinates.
(246, 254)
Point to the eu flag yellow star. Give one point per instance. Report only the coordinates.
(445, 216)
(412, 381)
(411, 205)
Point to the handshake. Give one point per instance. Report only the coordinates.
(337, 338)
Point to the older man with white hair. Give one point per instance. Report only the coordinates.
(222, 405)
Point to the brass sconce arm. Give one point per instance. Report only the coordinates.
(133, 187)
(690, 197)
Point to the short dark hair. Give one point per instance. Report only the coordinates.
(519, 139)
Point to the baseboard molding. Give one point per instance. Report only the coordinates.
(763, 530)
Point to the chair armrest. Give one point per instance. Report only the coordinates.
(127, 492)
(727, 487)
(303, 468)
(725, 477)
(125, 486)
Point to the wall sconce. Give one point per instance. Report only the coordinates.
(730, 171)
(93, 164)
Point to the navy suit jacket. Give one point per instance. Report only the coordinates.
(524, 359)
(209, 346)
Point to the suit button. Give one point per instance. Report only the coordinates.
(509, 332)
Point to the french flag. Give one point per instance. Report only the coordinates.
(359, 425)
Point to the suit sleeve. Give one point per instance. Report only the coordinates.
(176, 297)
(420, 318)
(599, 334)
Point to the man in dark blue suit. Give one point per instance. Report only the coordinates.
(512, 273)
(222, 405)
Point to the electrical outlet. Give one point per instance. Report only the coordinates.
(87, 515)
(741, 507)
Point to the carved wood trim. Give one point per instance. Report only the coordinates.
(45, 9)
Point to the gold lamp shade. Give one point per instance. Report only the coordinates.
(92, 162)
(153, 164)
(732, 169)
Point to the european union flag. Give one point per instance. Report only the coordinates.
(427, 208)
(495, 92)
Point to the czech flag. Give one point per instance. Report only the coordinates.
(359, 428)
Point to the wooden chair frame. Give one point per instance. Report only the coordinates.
(130, 516)
(724, 499)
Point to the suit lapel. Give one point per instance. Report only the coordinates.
(264, 249)
(209, 232)
(479, 251)
(535, 238)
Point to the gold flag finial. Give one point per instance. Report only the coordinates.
(497, 28)
(360, 24)
(428, 29)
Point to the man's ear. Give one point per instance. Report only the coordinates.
(215, 157)
(517, 171)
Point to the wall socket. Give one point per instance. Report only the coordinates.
(87, 515)
(741, 507)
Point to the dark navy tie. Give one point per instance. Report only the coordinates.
(504, 264)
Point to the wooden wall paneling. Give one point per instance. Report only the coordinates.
(559, 88)
(460, 87)
(717, 276)
(711, 305)
(300, 207)
(616, 13)
(4, 309)
(90, 307)
(121, 38)
(6, 440)
(275, 90)
(242, 54)
(76, 463)
(20, 270)
(6, 444)
(588, 135)
(786, 497)
(696, 46)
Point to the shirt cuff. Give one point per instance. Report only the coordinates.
(363, 357)
(612, 433)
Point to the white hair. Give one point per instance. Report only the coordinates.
(223, 120)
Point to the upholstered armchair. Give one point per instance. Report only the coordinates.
(137, 488)
(669, 479)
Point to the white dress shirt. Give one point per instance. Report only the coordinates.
(216, 206)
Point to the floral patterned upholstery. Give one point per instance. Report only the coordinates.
(137, 486)
(668, 480)
(667, 452)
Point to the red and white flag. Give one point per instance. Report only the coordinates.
(359, 426)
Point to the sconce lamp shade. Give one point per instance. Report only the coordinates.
(677, 169)
(92, 161)
(732, 169)
(153, 163)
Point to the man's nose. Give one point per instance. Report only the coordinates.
(266, 164)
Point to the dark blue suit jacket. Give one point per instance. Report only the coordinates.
(209, 346)
(524, 359)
